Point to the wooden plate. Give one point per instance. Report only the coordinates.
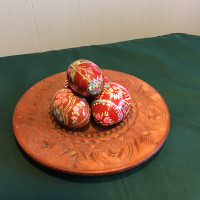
(93, 150)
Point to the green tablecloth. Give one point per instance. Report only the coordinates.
(171, 64)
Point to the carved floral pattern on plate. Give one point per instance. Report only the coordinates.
(93, 150)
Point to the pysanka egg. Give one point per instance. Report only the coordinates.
(112, 105)
(70, 109)
(85, 78)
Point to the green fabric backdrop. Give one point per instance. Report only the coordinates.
(171, 64)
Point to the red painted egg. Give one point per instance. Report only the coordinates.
(85, 78)
(112, 105)
(70, 109)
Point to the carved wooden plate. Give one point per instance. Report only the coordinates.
(93, 150)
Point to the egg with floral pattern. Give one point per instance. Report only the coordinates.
(85, 78)
(112, 105)
(71, 110)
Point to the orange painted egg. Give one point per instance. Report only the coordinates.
(112, 105)
(71, 110)
(85, 78)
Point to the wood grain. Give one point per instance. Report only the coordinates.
(94, 149)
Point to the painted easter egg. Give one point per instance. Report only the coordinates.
(85, 78)
(112, 105)
(71, 110)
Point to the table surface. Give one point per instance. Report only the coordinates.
(170, 63)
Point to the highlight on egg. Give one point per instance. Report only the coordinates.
(112, 105)
(85, 78)
(71, 110)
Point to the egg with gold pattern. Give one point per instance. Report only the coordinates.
(85, 78)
